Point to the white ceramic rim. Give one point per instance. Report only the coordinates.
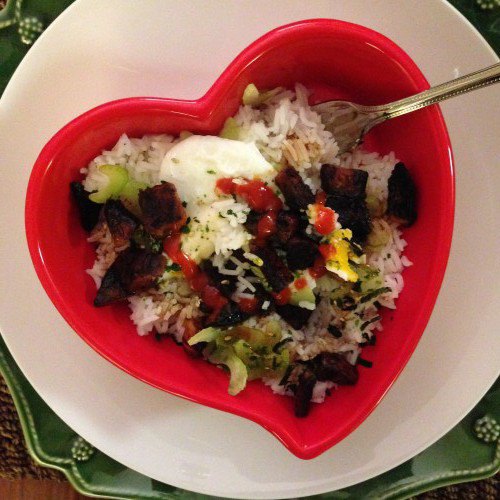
(178, 442)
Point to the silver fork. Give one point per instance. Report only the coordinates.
(349, 122)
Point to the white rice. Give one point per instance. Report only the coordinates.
(287, 131)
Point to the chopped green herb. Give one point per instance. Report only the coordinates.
(364, 362)
(336, 332)
(369, 322)
(173, 267)
(185, 229)
(211, 171)
(144, 240)
(368, 340)
(277, 347)
(184, 204)
(356, 249)
(374, 293)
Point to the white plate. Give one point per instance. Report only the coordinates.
(99, 51)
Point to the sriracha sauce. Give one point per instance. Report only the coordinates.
(196, 278)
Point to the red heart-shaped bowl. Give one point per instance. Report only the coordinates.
(335, 60)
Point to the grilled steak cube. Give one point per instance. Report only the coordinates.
(262, 296)
(162, 210)
(295, 316)
(338, 181)
(297, 194)
(301, 253)
(111, 289)
(353, 214)
(287, 224)
(303, 393)
(224, 283)
(121, 223)
(402, 198)
(334, 367)
(229, 315)
(274, 269)
(139, 269)
(89, 211)
(252, 222)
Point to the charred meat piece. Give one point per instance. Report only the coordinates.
(295, 316)
(262, 296)
(228, 315)
(139, 269)
(301, 253)
(191, 328)
(297, 194)
(89, 211)
(162, 210)
(121, 223)
(142, 239)
(252, 222)
(111, 289)
(402, 198)
(287, 224)
(274, 269)
(303, 393)
(338, 181)
(334, 367)
(225, 284)
(353, 214)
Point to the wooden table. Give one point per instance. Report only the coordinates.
(34, 489)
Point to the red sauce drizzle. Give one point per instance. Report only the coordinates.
(325, 216)
(196, 278)
(325, 220)
(172, 247)
(318, 268)
(259, 197)
(320, 197)
(300, 283)
(267, 225)
(248, 305)
(282, 297)
(225, 185)
(326, 250)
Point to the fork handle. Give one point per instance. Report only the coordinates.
(466, 83)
